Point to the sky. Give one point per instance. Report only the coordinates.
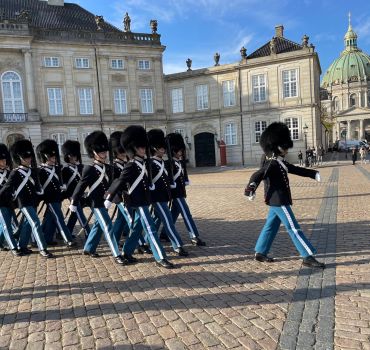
(197, 29)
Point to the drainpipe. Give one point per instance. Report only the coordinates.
(98, 82)
(241, 115)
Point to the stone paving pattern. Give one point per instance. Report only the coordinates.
(218, 297)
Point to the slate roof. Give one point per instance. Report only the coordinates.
(67, 17)
(282, 45)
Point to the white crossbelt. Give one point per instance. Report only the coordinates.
(99, 180)
(161, 170)
(52, 174)
(282, 165)
(139, 178)
(3, 177)
(179, 170)
(74, 174)
(27, 176)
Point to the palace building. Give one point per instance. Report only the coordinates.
(66, 72)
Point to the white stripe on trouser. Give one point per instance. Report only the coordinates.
(295, 231)
(150, 233)
(79, 218)
(106, 231)
(58, 222)
(33, 227)
(6, 231)
(158, 205)
(186, 217)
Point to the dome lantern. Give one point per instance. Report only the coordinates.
(350, 39)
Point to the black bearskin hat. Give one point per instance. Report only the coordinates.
(115, 143)
(96, 141)
(45, 149)
(132, 137)
(275, 138)
(156, 140)
(21, 149)
(4, 153)
(71, 148)
(176, 142)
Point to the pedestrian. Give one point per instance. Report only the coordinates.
(275, 142)
(314, 156)
(354, 155)
(363, 155)
(97, 178)
(320, 154)
(300, 158)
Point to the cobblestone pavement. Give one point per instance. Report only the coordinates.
(218, 297)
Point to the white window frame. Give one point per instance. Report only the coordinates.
(336, 106)
(86, 104)
(177, 100)
(290, 83)
(146, 100)
(202, 97)
(51, 62)
(259, 127)
(180, 131)
(120, 100)
(117, 63)
(59, 138)
(354, 98)
(259, 88)
(82, 62)
(293, 126)
(228, 91)
(17, 103)
(143, 64)
(55, 100)
(230, 134)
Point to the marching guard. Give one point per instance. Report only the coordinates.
(96, 177)
(275, 142)
(178, 193)
(71, 175)
(23, 185)
(161, 194)
(6, 206)
(52, 187)
(135, 183)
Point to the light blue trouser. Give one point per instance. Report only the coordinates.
(143, 220)
(163, 215)
(121, 226)
(53, 218)
(31, 224)
(6, 229)
(179, 206)
(275, 217)
(103, 224)
(80, 216)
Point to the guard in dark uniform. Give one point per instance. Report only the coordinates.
(178, 193)
(161, 194)
(71, 175)
(275, 142)
(51, 182)
(97, 178)
(134, 181)
(123, 219)
(23, 185)
(6, 206)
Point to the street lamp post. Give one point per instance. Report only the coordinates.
(305, 130)
(345, 137)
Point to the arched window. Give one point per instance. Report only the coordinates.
(11, 85)
(336, 104)
(352, 100)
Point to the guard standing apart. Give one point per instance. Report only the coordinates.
(161, 194)
(96, 177)
(178, 194)
(51, 182)
(6, 206)
(23, 184)
(275, 142)
(134, 181)
(71, 174)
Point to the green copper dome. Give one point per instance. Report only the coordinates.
(352, 65)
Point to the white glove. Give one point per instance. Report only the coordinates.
(63, 188)
(318, 177)
(187, 183)
(107, 203)
(152, 187)
(173, 185)
(72, 208)
(252, 196)
(40, 193)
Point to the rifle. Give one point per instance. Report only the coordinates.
(149, 167)
(83, 227)
(170, 161)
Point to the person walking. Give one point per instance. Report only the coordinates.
(300, 158)
(354, 155)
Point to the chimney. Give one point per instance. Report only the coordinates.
(56, 2)
(279, 30)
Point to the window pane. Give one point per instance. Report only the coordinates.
(177, 101)
(120, 105)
